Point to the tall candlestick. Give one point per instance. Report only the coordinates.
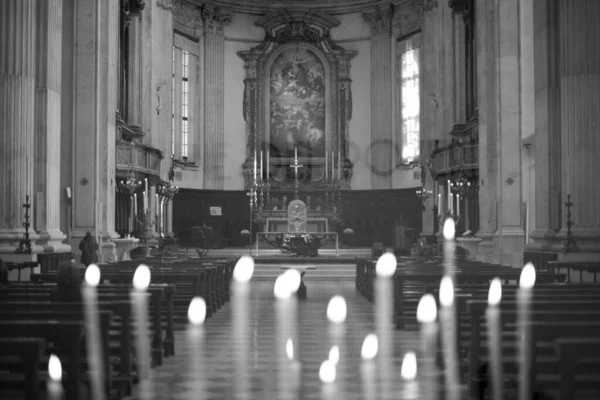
(457, 204)
(384, 300)
(332, 165)
(449, 262)
(156, 203)
(426, 315)
(254, 168)
(146, 193)
(54, 385)
(131, 215)
(494, 326)
(339, 165)
(449, 196)
(139, 300)
(268, 164)
(295, 153)
(408, 372)
(526, 282)
(240, 289)
(336, 314)
(326, 167)
(439, 204)
(261, 165)
(448, 322)
(135, 204)
(195, 337)
(145, 201)
(369, 350)
(90, 301)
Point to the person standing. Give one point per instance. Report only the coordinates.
(88, 247)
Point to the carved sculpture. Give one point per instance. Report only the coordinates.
(297, 217)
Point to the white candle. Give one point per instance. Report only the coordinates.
(384, 301)
(261, 165)
(449, 263)
(339, 165)
(426, 315)
(268, 164)
(195, 337)
(54, 384)
(526, 282)
(145, 201)
(494, 326)
(135, 204)
(336, 315)
(327, 374)
(146, 193)
(90, 302)
(131, 214)
(296, 154)
(156, 203)
(326, 167)
(369, 350)
(139, 299)
(254, 166)
(439, 204)
(448, 322)
(240, 290)
(332, 165)
(408, 372)
(449, 197)
(457, 204)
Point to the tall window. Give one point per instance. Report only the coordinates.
(410, 97)
(182, 105)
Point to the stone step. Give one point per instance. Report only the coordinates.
(314, 272)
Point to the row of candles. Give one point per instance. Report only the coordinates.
(159, 203)
(334, 174)
(452, 200)
(374, 345)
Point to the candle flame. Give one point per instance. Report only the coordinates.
(370, 347)
(141, 277)
(244, 269)
(495, 293)
(334, 355)
(427, 309)
(92, 275)
(282, 289)
(386, 265)
(54, 368)
(446, 291)
(409, 366)
(449, 228)
(327, 372)
(289, 349)
(197, 311)
(336, 310)
(293, 278)
(527, 279)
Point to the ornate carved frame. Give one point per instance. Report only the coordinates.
(306, 29)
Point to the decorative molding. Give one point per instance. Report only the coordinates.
(262, 7)
(167, 4)
(421, 6)
(379, 19)
(187, 19)
(216, 19)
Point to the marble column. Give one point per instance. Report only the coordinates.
(48, 124)
(510, 239)
(380, 21)
(214, 150)
(17, 94)
(94, 102)
(485, 49)
(459, 68)
(134, 105)
(579, 74)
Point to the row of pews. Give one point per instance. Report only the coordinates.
(565, 324)
(35, 324)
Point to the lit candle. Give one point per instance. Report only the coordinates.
(439, 204)
(90, 302)
(327, 374)
(368, 352)
(268, 164)
(261, 165)
(457, 204)
(144, 206)
(240, 290)
(494, 326)
(526, 282)
(449, 198)
(195, 335)
(131, 215)
(285, 287)
(139, 299)
(336, 315)
(135, 204)
(384, 300)
(54, 385)
(408, 373)
(448, 323)
(449, 231)
(426, 315)
(326, 167)
(255, 166)
(296, 154)
(295, 369)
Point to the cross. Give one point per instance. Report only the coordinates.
(296, 166)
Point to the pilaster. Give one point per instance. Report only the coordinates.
(48, 125)
(214, 150)
(380, 21)
(135, 72)
(17, 94)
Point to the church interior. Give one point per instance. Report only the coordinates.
(299, 199)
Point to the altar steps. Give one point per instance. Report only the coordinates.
(314, 272)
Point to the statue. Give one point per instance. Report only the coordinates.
(297, 217)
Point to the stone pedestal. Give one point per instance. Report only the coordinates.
(124, 246)
(471, 245)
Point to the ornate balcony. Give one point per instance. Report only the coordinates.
(454, 157)
(138, 157)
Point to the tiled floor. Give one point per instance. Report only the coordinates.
(213, 376)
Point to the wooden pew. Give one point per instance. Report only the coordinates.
(592, 267)
(30, 351)
(570, 352)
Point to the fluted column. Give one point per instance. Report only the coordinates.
(380, 21)
(17, 94)
(214, 149)
(579, 69)
(485, 50)
(48, 124)
(459, 68)
(135, 73)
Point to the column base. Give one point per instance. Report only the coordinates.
(9, 241)
(509, 247)
(471, 245)
(587, 240)
(52, 241)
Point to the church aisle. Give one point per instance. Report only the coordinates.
(174, 379)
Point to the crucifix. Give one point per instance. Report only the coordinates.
(296, 166)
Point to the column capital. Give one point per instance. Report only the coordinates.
(379, 19)
(216, 19)
(420, 6)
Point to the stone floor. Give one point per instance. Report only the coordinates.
(184, 377)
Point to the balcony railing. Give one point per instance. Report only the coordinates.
(138, 157)
(455, 157)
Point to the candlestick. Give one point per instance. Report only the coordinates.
(144, 205)
(339, 165)
(146, 193)
(240, 289)
(336, 315)
(408, 373)
(426, 315)
(90, 302)
(457, 204)
(327, 374)
(332, 165)
(449, 197)
(295, 153)
(131, 216)
(139, 299)
(526, 282)
(449, 263)
(261, 166)
(494, 326)
(54, 385)
(195, 337)
(384, 300)
(268, 164)
(448, 322)
(254, 167)
(439, 204)
(135, 204)
(368, 352)
(326, 167)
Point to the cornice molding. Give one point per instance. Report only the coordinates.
(379, 19)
